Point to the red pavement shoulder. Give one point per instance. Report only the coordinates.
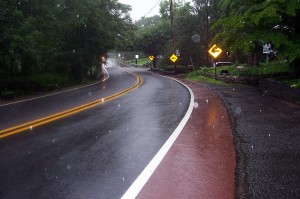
(201, 163)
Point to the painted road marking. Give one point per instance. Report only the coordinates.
(56, 93)
(142, 179)
(50, 118)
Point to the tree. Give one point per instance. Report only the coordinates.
(246, 28)
(207, 12)
(60, 37)
(152, 39)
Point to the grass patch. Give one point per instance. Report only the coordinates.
(143, 61)
(7, 95)
(265, 69)
(293, 83)
(200, 78)
(139, 61)
(276, 70)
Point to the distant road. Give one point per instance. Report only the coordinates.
(95, 153)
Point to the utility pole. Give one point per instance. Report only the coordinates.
(172, 30)
(172, 24)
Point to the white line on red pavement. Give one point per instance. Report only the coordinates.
(141, 180)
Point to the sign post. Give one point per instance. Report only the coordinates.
(215, 51)
(136, 58)
(173, 58)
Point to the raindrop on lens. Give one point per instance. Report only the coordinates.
(238, 110)
(196, 38)
(196, 105)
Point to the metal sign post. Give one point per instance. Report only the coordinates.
(215, 51)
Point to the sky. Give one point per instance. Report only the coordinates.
(142, 7)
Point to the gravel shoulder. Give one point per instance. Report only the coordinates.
(267, 142)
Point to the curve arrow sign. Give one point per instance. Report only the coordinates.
(215, 51)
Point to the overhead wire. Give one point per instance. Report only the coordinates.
(156, 4)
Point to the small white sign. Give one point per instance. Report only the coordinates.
(178, 53)
(267, 48)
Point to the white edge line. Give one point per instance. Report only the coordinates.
(30, 99)
(142, 179)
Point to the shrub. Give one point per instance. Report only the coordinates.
(39, 82)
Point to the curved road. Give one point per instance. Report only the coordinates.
(96, 153)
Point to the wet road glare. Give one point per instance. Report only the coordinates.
(96, 153)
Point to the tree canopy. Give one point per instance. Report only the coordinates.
(62, 37)
(65, 38)
(246, 28)
(241, 28)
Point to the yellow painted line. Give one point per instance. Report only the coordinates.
(56, 116)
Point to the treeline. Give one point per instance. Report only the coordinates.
(50, 43)
(239, 27)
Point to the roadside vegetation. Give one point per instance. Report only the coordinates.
(52, 44)
(45, 45)
(139, 61)
(198, 77)
(240, 31)
(265, 69)
(280, 71)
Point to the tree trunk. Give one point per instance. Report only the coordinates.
(253, 58)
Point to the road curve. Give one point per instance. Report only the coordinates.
(97, 153)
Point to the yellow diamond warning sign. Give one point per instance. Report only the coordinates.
(151, 57)
(215, 51)
(173, 58)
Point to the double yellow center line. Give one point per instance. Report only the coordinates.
(56, 116)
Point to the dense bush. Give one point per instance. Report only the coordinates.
(265, 69)
(44, 42)
(34, 83)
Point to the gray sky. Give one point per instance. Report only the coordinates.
(142, 7)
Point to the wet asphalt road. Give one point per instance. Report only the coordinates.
(29, 110)
(97, 153)
(267, 142)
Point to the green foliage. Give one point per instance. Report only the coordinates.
(246, 25)
(39, 82)
(64, 37)
(200, 78)
(152, 39)
(266, 69)
(293, 83)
